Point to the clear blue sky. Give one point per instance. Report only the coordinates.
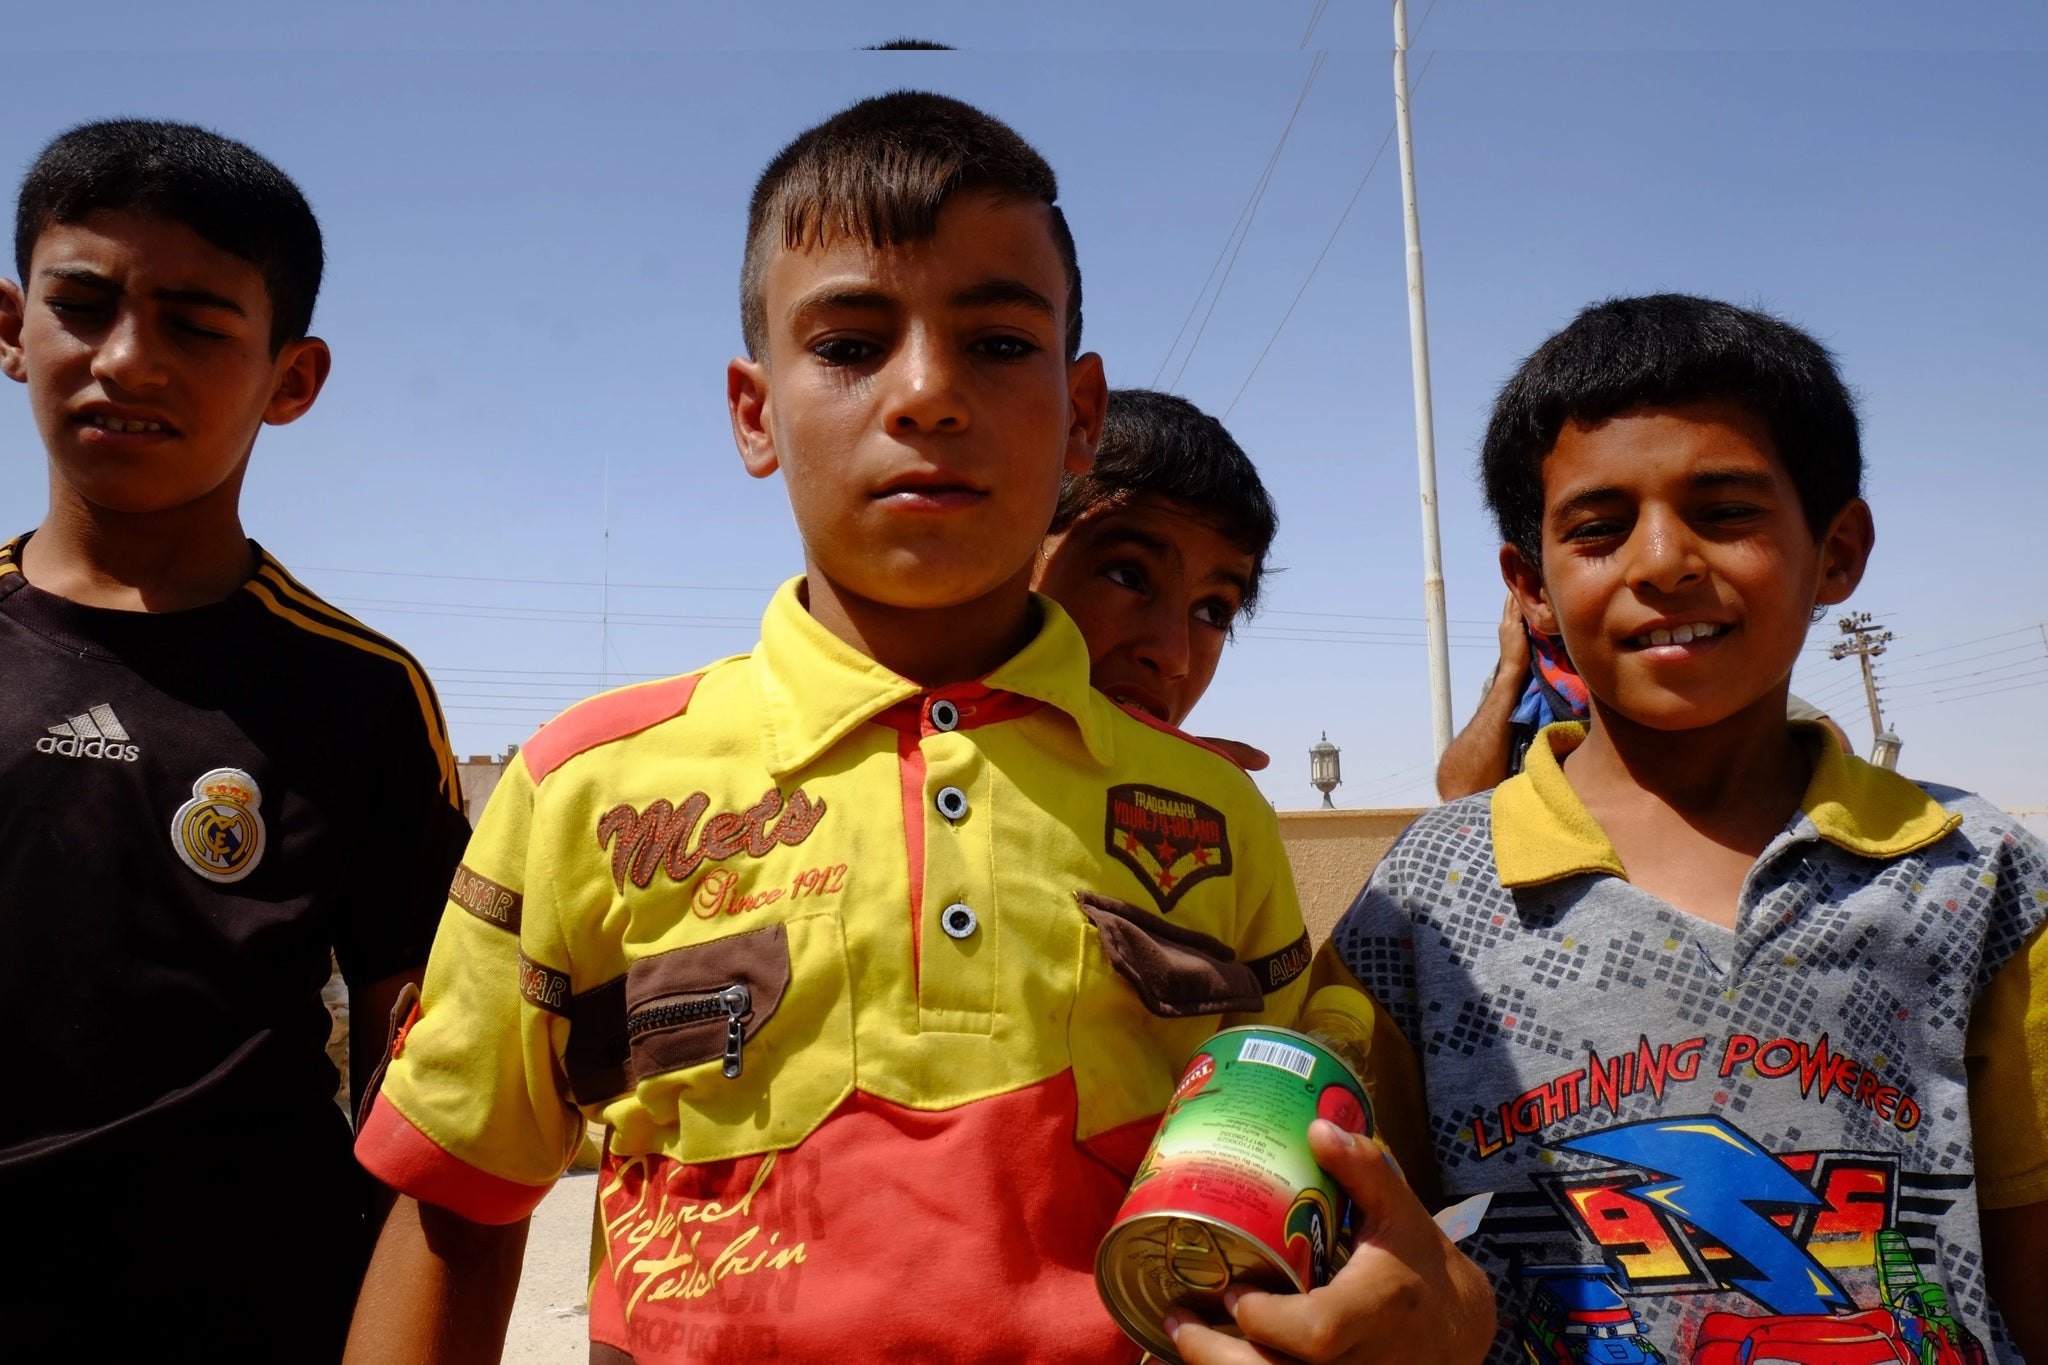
(534, 217)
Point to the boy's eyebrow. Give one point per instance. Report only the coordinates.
(1000, 290)
(840, 296)
(1117, 533)
(1003, 290)
(1583, 500)
(191, 297)
(1739, 477)
(199, 298)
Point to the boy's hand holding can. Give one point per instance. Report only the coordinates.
(1407, 1292)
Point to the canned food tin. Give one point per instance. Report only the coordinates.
(1228, 1193)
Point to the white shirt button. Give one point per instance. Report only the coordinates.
(959, 920)
(952, 802)
(945, 715)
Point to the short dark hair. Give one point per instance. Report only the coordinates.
(1664, 351)
(1164, 445)
(219, 188)
(882, 169)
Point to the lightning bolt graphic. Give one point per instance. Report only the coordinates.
(1716, 1179)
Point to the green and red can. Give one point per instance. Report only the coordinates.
(1228, 1194)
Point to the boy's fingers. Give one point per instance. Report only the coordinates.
(1404, 1281)
(1240, 753)
(1203, 1345)
(1364, 1168)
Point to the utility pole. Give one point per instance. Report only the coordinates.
(1425, 427)
(1866, 642)
(604, 630)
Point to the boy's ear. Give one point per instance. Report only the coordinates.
(302, 368)
(13, 312)
(1087, 403)
(746, 399)
(1525, 581)
(1845, 553)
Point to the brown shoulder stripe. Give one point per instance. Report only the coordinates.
(1275, 970)
(543, 987)
(484, 898)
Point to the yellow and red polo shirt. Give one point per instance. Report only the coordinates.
(880, 991)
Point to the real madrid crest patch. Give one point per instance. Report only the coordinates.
(1173, 842)
(219, 832)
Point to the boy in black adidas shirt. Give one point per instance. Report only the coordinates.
(208, 779)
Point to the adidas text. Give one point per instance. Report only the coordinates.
(74, 747)
(95, 733)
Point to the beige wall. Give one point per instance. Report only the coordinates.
(480, 774)
(1332, 852)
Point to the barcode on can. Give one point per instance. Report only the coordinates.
(1287, 1058)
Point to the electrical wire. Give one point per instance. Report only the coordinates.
(1952, 681)
(1322, 7)
(1249, 216)
(1307, 280)
(1413, 88)
(2031, 647)
(545, 582)
(1938, 649)
(1989, 692)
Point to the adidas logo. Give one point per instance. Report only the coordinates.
(97, 733)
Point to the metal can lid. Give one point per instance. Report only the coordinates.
(1162, 1261)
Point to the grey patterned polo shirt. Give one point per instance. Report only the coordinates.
(1719, 1146)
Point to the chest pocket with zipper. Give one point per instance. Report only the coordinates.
(721, 1049)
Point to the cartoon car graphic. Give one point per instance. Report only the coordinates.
(1576, 1316)
(1866, 1338)
(1921, 1308)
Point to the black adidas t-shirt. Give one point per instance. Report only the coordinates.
(195, 807)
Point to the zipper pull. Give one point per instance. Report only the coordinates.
(738, 1004)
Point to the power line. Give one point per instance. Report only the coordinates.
(2030, 647)
(1402, 640)
(549, 672)
(1988, 692)
(1938, 649)
(1953, 681)
(544, 582)
(1263, 614)
(1322, 7)
(1355, 616)
(1242, 231)
(1342, 218)
(1421, 25)
(565, 611)
(1331, 241)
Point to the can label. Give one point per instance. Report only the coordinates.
(1233, 1146)
(1228, 1192)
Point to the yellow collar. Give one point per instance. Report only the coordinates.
(813, 688)
(1542, 832)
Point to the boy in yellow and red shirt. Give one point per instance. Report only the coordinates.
(877, 950)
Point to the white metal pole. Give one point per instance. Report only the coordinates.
(1425, 426)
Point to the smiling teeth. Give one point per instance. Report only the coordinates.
(1682, 635)
(124, 424)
